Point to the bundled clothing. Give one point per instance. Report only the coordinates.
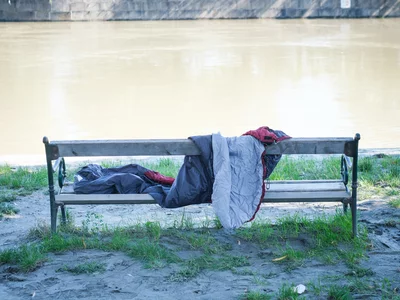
(229, 173)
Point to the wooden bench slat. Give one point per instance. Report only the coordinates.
(126, 148)
(83, 199)
(306, 196)
(310, 146)
(306, 187)
(102, 199)
(279, 191)
(187, 147)
(277, 186)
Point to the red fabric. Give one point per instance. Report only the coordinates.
(157, 177)
(266, 135)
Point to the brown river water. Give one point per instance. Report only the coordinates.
(174, 79)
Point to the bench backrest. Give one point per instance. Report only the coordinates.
(56, 149)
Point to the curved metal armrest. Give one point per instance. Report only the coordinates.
(345, 165)
(61, 173)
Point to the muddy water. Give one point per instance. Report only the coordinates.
(176, 79)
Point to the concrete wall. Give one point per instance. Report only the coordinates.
(90, 10)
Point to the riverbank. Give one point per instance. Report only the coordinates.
(254, 269)
(107, 10)
(147, 252)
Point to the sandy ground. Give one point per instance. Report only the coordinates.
(126, 278)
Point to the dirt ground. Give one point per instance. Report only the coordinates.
(126, 278)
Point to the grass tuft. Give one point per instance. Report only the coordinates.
(27, 179)
(337, 292)
(85, 268)
(287, 292)
(395, 203)
(7, 196)
(27, 257)
(256, 296)
(194, 266)
(152, 253)
(257, 232)
(7, 209)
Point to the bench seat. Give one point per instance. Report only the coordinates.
(278, 191)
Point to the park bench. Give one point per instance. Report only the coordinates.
(278, 191)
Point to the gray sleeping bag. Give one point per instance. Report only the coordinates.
(238, 184)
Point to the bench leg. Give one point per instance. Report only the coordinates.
(63, 215)
(53, 212)
(354, 186)
(353, 206)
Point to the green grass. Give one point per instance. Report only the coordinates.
(337, 292)
(259, 232)
(152, 253)
(84, 268)
(329, 238)
(287, 292)
(157, 247)
(27, 257)
(7, 195)
(326, 238)
(27, 179)
(200, 241)
(7, 209)
(256, 296)
(395, 203)
(306, 168)
(194, 266)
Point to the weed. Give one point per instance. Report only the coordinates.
(245, 272)
(28, 257)
(391, 223)
(395, 203)
(119, 241)
(291, 225)
(388, 290)
(93, 223)
(153, 230)
(194, 266)
(9, 256)
(288, 292)
(40, 231)
(28, 179)
(217, 223)
(337, 292)
(204, 242)
(7, 196)
(186, 222)
(256, 296)
(392, 192)
(357, 271)
(258, 232)
(7, 209)
(365, 164)
(85, 268)
(151, 252)
(315, 288)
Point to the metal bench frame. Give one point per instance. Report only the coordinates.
(278, 191)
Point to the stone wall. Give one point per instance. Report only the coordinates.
(91, 10)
